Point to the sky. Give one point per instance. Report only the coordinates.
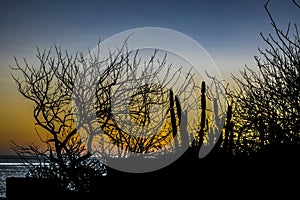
(228, 30)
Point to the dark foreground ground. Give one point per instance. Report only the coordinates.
(188, 179)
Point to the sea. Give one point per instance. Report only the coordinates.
(10, 166)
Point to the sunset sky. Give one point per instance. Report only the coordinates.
(228, 30)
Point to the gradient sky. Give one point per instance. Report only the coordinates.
(228, 30)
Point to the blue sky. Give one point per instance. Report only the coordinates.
(228, 30)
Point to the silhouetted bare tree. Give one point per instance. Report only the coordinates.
(135, 112)
(50, 87)
(267, 100)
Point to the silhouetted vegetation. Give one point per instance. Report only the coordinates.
(79, 101)
(266, 101)
(49, 87)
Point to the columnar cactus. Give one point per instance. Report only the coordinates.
(203, 114)
(173, 120)
(228, 140)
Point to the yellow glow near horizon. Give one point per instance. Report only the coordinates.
(16, 116)
(16, 119)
